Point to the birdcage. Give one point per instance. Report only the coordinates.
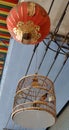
(34, 102)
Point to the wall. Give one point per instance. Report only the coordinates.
(62, 122)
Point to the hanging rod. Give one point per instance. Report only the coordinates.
(61, 19)
(44, 54)
(55, 58)
(35, 47)
(48, 43)
(59, 37)
(53, 34)
(51, 6)
(53, 49)
(37, 44)
(66, 58)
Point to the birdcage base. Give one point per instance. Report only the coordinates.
(33, 118)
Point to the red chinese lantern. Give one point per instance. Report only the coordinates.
(28, 23)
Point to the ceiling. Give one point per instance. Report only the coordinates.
(52, 56)
(5, 7)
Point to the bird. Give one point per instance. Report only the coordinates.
(43, 97)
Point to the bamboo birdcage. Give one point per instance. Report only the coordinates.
(34, 102)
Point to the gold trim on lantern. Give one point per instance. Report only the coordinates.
(27, 28)
(31, 8)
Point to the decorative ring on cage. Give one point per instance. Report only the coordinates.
(28, 23)
(34, 102)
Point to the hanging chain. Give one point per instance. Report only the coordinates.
(36, 60)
